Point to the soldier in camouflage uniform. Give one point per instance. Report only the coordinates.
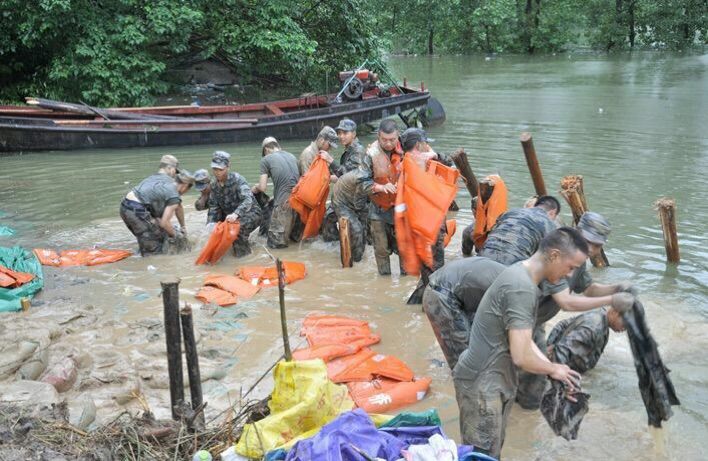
(203, 184)
(451, 300)
(231, 200)
(517, 233)
(565, 295)
(147, 210)
(282, 168)
(579, 341)
(326, 140)
(350, 161)
(350, 201)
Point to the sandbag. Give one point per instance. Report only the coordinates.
(451, 225)
(34, 367)
(20, 260)
(232, 284)
(268, 276)
(221, 239)
(13, 356)
(366, 365)
(67, 258)
(303, 400)
(486, 213)
(384, 395)
(309, 197)
(209, 295)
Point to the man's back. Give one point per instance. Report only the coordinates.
(579, 341)
(517, 234)
(467, 279)
(281, 166)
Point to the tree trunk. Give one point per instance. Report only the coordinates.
(487, 39)
(430, 40)
(529, 30)
(632, 32)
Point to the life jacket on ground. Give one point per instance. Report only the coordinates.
(486, 213)
(224, 290)
(221, 239)
(385, 170)
(422, 201)
(264, 276)
(309, 197)
(366, 365)
(451, 226)
(79, 257)
(384, 395)
(13, 279)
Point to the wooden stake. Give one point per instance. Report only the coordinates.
(170, 300)
(573, 193)
(190, 351)
(667, 214)
(281, 298)
(463, 166)
(345, 247)
(532, 162)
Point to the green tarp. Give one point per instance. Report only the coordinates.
(6, 231)
(21, 260)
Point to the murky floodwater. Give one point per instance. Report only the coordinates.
(634, 126)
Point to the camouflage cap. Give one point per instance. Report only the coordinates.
(220, 159)
(269, 140)
(201, 179)
(185, 177)
(594, 227)
(412, 136)
(169, 160)
(328, 134)
(346, 124)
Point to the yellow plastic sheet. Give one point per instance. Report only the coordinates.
(303, 401)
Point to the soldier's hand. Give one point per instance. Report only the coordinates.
(570, 378)
(325, 155)
(233, 217)
(622, 302)
(387, 188)
(626, 287)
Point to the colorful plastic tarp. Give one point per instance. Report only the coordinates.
(67, 258)
(221, 239)
(265, 276)
(303, 400)
(18, 259)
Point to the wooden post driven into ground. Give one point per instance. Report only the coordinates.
(345, 248)
(573, 193)
(667, 214)
(532, 162)
(281, 298)
(190, 350)
(463, 166)
(170, 300)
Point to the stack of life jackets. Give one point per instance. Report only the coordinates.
(422, 200)
(309, 197)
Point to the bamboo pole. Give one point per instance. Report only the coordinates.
(459, 157)
(170, 300)
(573, 193)
(532, 162)
(345, 248)
(190, 351)
(667, 214)
(281, 298)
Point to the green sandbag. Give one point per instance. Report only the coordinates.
(411, 418)
(20, 260)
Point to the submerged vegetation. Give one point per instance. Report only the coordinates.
(121, 52)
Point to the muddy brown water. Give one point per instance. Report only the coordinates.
(633, 125)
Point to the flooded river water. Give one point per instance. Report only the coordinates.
(634, 126)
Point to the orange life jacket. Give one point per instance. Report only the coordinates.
(221, 239)
(79, 257)
(13, 279)
(386, 170)
(486, 213)
(422, 201)
(224, 290)
(309, 197)
(264, 276)
(385, 395)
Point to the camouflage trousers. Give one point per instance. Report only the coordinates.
(467, 242)
(249, 221)
(151, 237)
(384, 239)
(282, 220)
(357, 229)
(483, 417)
(531, 385)
(329, 229)
(450, 323)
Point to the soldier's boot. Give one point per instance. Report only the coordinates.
(381, 248)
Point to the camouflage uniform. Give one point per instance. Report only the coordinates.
(155, 193)
(517, 235)
(349, 201)
(451, 300)
(235, 196)
(579, 341)
(307, 156)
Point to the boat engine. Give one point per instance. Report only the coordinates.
(353, 86)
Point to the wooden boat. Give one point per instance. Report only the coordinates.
(32, 128)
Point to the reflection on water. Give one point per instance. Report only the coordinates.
(633, 125)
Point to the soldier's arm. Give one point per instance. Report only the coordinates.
(365, 175)
(214, 213)
(444, 159)
(202, 202)
(246, 197)
(599, 289)
(578, 303)
(166, 219)
(179, 212)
